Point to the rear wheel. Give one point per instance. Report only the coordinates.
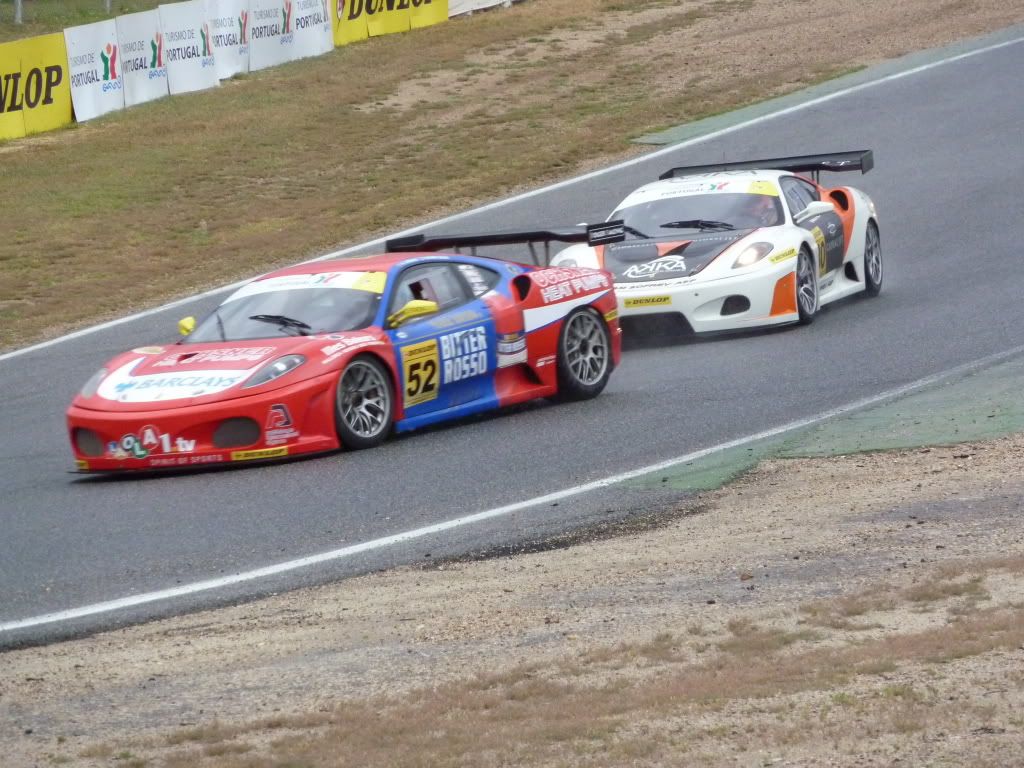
(806, 287)
(584, 356)
(363, 404)
(872, 261)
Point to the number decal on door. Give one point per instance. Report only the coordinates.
(420, 366)
(819, 239)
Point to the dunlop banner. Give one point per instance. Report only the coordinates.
(314, 35)
(188, 47)
(94, 64)
(426, 13)
(349, 22)
(34, 92)
(229, 24)
(143, 67)
(385, 17)
(12, 118)
(271, 32)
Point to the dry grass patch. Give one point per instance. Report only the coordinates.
(763, 684)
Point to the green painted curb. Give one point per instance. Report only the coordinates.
(979, 405)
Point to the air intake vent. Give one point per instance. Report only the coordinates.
(733, 305)
(88, 442)
(236, 433)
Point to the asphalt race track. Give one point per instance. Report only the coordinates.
(949, 152)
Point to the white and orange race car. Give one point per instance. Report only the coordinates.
(740, 245)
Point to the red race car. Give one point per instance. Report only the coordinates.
(335, 354)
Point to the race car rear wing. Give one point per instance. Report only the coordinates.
(862, 160)
(591, 234)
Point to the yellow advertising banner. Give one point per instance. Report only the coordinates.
(386, 17)
(426, 13)
(349, 22)
(12, 120)
(35, 92)
(46, 85)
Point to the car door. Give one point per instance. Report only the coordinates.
(446, 359)
(827, 228)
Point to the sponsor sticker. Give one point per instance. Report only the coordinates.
(511, 349)
(81, 464)
(609, 316)
(648, 301)
(656, 267)
(148, 350)
(763, 188)
(278, 428)
(260, 453)
(149, 440)
(420, 367)
(789, 253)
(558, 284)
(464, 354)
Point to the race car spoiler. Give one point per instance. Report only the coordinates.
(591, 234)
(862, 160)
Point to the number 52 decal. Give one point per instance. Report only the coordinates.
(420, 367)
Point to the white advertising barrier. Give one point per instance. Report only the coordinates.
(94, 66)
(314, 35)
(229, 25)
(188, 49)
(271, 33)
(459, 7)
(143, 70)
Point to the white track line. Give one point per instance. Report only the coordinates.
(417, 533)
(532, 193)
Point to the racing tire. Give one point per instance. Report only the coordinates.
(872, 260)
(806, 287)
(363, 404)
(584, 356)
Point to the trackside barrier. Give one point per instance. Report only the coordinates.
(143, 67)
(229, 25)
(460, 7)
(94, 64)
(188, 48)
(94, 69)
(35, 94)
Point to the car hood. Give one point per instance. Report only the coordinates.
(157, 378)
(662, 258)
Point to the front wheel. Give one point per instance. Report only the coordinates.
(872, 261)
(363, 404)
(584, 356)
(806, 287)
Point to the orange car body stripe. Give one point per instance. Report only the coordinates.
(784, 300)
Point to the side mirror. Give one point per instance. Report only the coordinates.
(186, 325)
(412, 309)
(816, 208)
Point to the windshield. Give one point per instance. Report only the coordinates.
(292, 312)
(713, 212)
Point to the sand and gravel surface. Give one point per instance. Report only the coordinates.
(857, 610)
(837, 555)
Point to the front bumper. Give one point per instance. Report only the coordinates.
(284, 422)
(759, 297)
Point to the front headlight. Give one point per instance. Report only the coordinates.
(93, 384)
(569, 262)
(274, 370)
(752, 254)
